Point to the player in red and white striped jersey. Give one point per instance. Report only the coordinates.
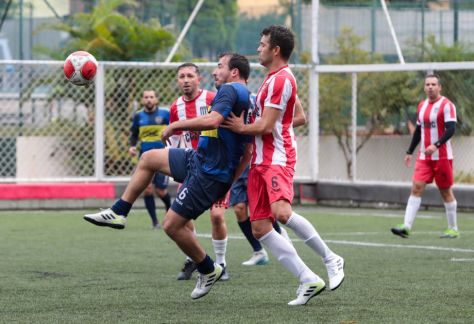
(194, 103)
(270, 180)
(435, 126)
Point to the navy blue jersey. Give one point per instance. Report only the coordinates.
(147, 128)
(219, 150)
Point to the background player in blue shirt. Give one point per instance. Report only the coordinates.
(206, 174)
(146, 129)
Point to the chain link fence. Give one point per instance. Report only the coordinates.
(54, 131)
(381, 102)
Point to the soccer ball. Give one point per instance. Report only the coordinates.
(80, 68)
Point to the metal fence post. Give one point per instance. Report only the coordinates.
(99, 127)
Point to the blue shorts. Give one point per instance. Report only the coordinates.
(160, 180)
(238, 192)
(198, 191)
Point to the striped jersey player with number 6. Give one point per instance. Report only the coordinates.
(270, 179)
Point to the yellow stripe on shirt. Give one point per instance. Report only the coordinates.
(151, 133)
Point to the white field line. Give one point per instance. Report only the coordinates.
(369, 244)
(373, 214)
(382, 213)
(383, 233)
(461, 260)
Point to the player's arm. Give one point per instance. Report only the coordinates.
(244, 161)
(416, 138)
(133, 138)
(299, 118)
(262, 126)
(449, 130)
(205, 122)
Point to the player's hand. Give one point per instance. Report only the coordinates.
(166, 134)
(430, 149)
(408, 160)
(234, 123)
(132, 151)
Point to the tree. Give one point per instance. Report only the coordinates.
(456, 85)
(112, 36)
(214, 28)
(381, 96)
(109, 35)
(249, 29)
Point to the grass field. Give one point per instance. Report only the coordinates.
(56, 268)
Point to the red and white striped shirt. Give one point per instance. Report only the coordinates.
(277, 91)
(182, 110)
(432, 117)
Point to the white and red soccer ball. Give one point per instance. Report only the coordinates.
(80, 68)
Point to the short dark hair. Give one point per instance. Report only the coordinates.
(188, 65)
(239, 62)
(282, 37)
(433, 75)
(148, 90)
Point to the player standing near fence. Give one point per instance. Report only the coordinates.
(435, 125)
(270, 180)
(146, 129)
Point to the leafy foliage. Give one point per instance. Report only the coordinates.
(214, 28)
(456, 85)
(111, 36)
(380, 96)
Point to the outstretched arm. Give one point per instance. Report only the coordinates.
(205, 122)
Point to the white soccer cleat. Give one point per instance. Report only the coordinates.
(258, 258)
(106, 217)
(335, 267)
(206, 281)
(306, 291)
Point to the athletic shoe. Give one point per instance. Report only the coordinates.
(258, 258)
(401, 230)
(108, 218)
(306, 291)
(335, 268)
(206, 281)
(188, 268)
(156, 227)
(225, 275)
(450, 233)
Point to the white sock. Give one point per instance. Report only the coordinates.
(413, 205)
(451, 214)
(284, 233)
(306, 231)
(220, 247)
(288, 257)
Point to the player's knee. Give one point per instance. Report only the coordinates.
(217, 220)
(148, 191)
(168, 227)
(161, 192)
(148, 159)
(240, 212)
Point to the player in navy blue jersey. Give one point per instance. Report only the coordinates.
(146, 129)
(206, 174)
